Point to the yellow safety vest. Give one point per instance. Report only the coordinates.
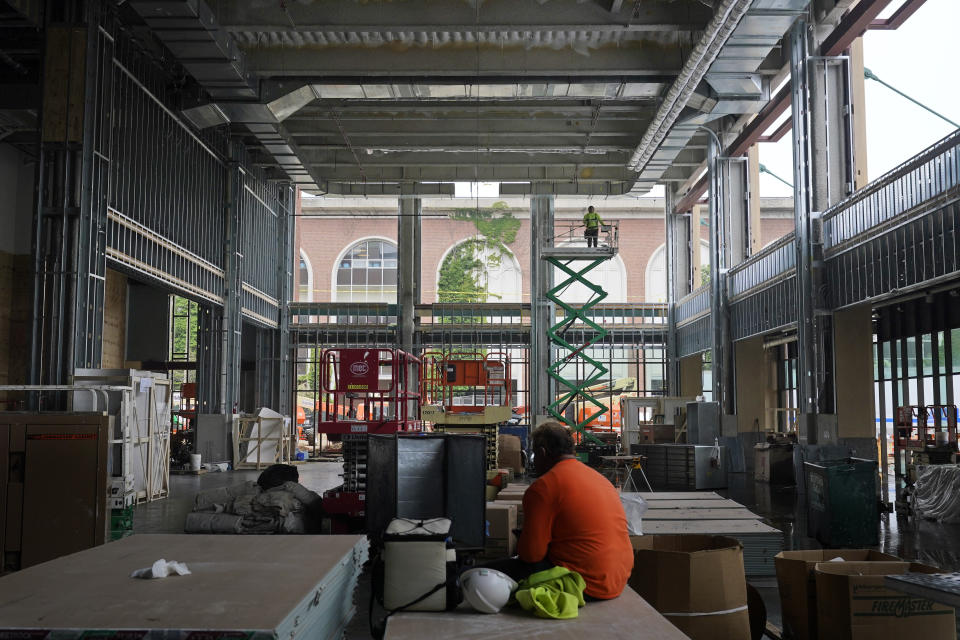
(592, 220)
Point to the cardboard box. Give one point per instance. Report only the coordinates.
(491, 493)
(518, 505)
(854, 604)
(508, 453)
(798, 588)
(501, 521)
(694, 574)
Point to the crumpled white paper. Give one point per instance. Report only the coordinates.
(161, 569)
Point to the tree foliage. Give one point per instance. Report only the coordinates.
(462, 274)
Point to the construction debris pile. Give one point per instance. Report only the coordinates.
(276, 503)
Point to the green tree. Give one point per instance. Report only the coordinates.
(462, 272)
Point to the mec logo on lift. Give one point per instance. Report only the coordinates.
(359, 368)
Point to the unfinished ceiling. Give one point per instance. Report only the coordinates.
(545, 96)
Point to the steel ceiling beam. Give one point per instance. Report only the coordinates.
(452, 172)
(361, 127)
(653, 59)
(413, 111)
(490, 15)
(899, 16)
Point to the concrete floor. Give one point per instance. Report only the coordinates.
(929, 542)
(168, 515)
(932, 543)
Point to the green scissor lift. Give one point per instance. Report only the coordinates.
(576, 263)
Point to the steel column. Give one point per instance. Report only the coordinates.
(720, 344)
(286, 262)
(542, 310)
(670, 259)
(408, 263)
(808, 356)
(823, 175)
(233, 286)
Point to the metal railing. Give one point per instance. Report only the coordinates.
(438, 315)
(570, 233)
(343, 313)
(917, 181)
(693, 305)
(763, 267)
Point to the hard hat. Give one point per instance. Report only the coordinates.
(486, 590)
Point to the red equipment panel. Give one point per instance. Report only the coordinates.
(357, 369)
(367, 392)
(465, 382)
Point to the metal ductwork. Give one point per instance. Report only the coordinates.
(725, 63)
(190, 31)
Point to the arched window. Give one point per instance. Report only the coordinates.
(367, 272)
(655, 281)
(472, 271)
(304, 279)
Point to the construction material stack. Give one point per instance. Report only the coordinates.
(367, 391)
(923, 435)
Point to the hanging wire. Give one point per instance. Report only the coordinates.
(870, 75)
(763, 169)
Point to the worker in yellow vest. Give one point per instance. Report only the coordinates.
(592, 222)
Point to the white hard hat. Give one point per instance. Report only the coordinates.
(486, 590)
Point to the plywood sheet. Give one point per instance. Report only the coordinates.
(622, 617)
(680, 495)
(238, 583)
(699, 514)
(694, 504)
(706, 527)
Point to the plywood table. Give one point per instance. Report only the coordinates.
(698, 514)
(628, 616)
(719, 503)
(259, 586)
(680, 495)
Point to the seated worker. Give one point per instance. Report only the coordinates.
(572, 517)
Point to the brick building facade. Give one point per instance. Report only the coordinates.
(329, 227)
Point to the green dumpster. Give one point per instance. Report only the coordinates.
(842, 509)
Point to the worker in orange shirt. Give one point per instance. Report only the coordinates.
(573, 518)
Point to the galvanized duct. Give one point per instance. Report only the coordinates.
(728, 62)
(721, 27)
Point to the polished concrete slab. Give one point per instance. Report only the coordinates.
(932, 543)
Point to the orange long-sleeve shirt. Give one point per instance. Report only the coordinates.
(572, 515)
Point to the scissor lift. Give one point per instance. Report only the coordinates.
(576, 260)
(367, 391)
(467, 393)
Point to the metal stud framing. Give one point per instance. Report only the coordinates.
(126, 182)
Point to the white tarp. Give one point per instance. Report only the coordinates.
(937, 492)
